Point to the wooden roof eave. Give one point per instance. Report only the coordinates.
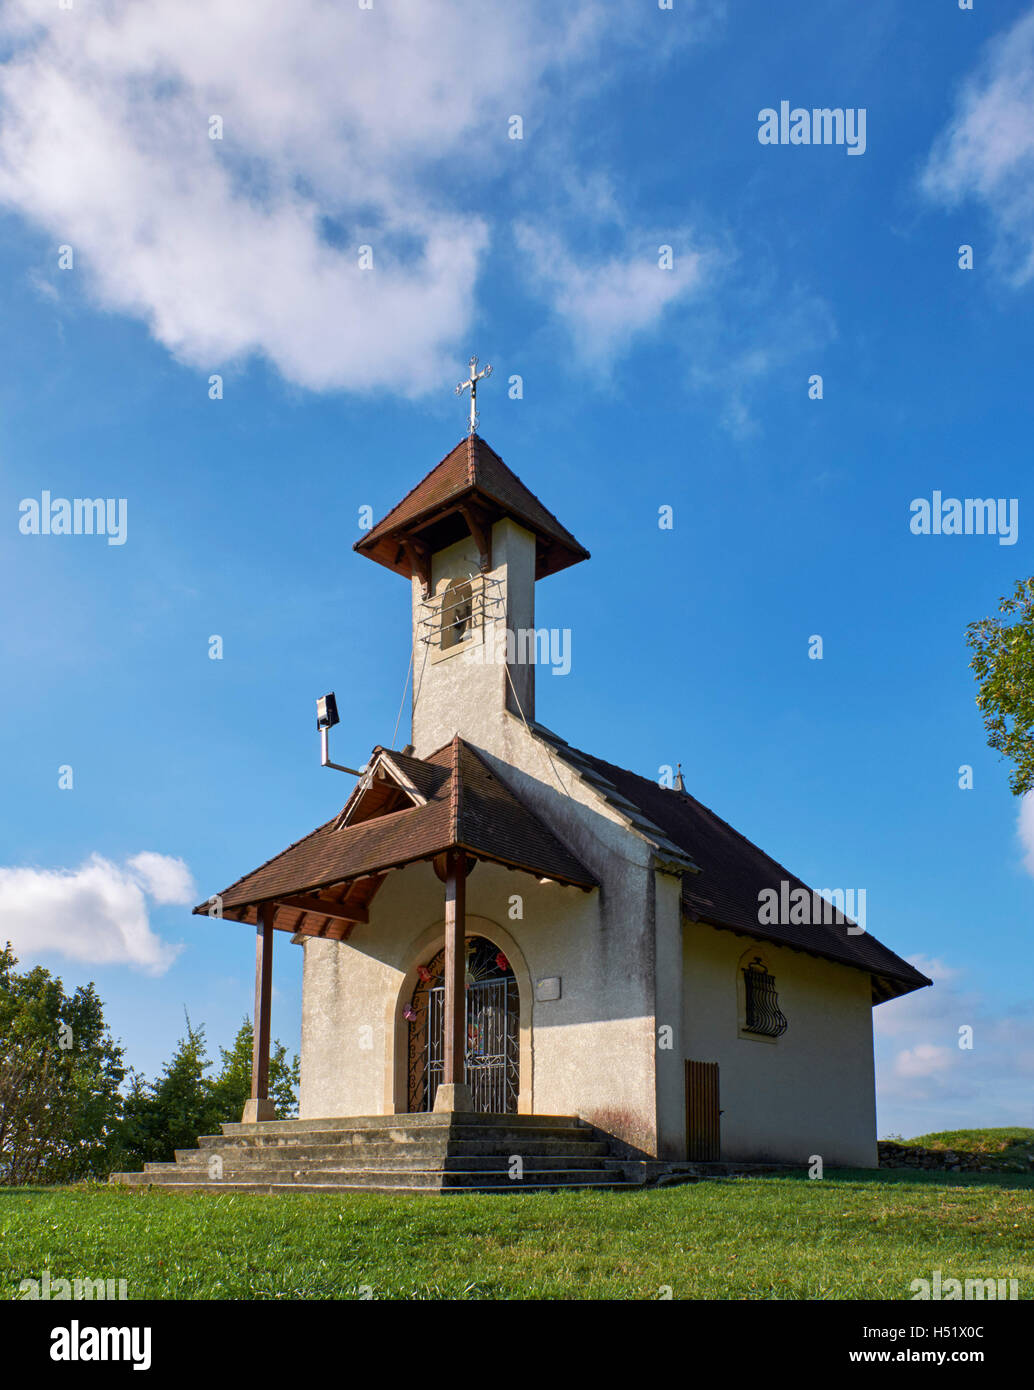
(306, 918)
(311, 914)
(372, 871)
(394, 548)
(884, 987)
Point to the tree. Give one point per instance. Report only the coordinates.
(60, 1073)
(172, 1111)
(1003, 663)
(184, 1103)
(232, 1086)
(63, 1113)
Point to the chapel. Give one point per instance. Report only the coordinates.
(498, 923)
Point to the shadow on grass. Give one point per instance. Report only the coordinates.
(869, 1177)
(922, 1177)
(80, 1188)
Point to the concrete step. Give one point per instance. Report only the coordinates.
(383, 1177)
(409, 1121)
(372, 1152)
(543, 1177)
(380, 1180)
(400, 1134)
(484, 1163)
(394, 1153)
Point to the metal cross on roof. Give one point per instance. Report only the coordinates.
(471, 384)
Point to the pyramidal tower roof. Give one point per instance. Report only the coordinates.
(469, 490)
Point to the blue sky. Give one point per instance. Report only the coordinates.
(642, 387)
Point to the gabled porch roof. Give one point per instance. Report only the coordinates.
(403, 810)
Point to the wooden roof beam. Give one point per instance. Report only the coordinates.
(479, 528)
(307, 902)
(419, 561)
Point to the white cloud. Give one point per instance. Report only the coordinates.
(922, 1060)
(606, 299)
(926, 1082)
(165, 879)
(925, 1007)
(342, 127)
(1025, 830)
(97, 913)
(987, 150)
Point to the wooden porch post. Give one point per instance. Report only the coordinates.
(455, 969)
(453, 1093)
(259, 1106)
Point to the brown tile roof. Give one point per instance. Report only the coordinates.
(472, 472)
(468, 807)
(733, 871)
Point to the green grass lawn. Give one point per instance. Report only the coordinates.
(849, 1235)
(1004, 1144)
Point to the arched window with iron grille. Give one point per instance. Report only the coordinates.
(763, 1014)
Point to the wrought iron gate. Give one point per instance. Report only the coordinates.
(492, 1053)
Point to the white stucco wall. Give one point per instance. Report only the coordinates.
(812, 1091)
(457, 693)
(589, 1053)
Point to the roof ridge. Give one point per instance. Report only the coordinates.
(629, 772)
(444, 459)
(440, 749)
(636, 817)
(407, 757)
(534, 496)
(454, 795)
(515, 796)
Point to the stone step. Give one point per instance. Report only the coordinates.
(379, 1180)
(371, 1185)
(385, 1176)
(371, 1151)
(398, 1133)
(193, 1164)
(394, 1153)
(409, 1121)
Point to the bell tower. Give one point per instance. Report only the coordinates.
(473, 541)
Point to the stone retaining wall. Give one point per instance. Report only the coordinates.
(893, 1155)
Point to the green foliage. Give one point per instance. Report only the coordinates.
(173, 1110)
(60, 1073)
(1003, 663)
(64, 1113)
(184, 1102)
(232, 1087)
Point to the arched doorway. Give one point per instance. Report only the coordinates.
(492, 1060)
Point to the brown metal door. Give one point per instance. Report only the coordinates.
(703, 1141)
